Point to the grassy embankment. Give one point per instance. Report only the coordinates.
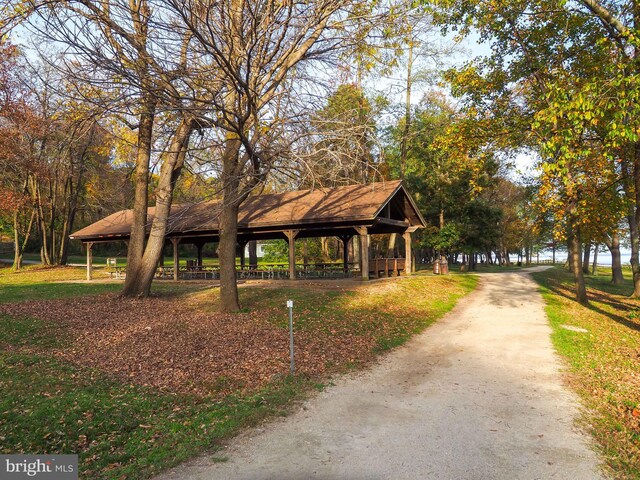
(124, 429)
(603, 360)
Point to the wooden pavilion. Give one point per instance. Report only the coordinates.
(342, 212)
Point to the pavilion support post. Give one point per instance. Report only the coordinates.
(176, 257)
(408, 262)
(291, 236)
(345, 252)
(89, 260)
(161, 261)
(199, 247)
(363, 233)
(243, 261)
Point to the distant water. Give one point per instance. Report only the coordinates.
(604, 258)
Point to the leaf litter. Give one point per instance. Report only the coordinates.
(168, 344)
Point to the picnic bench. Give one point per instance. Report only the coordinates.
(265, 273)
(386, 267)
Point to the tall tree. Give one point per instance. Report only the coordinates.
(420, 52)
(550, 66)
(140, 64)
(255, 47)
(344, 131)
(22, 134)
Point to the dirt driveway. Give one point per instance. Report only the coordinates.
(476, 396)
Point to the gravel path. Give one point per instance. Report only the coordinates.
(476, 396)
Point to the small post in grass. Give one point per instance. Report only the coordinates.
(290, 307)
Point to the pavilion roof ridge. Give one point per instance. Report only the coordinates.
(322, 206)
(215, 201)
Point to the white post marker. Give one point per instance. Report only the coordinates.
(290, 307)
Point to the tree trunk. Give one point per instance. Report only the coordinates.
(594, 268)
(19, 246)
(170, 171)
(634, 225)
(635, 254)
(392, 245)
(229, 300)
(70, 208)
(135, 249)
(17, 260)
(585, 257)
(616, 262)
(570, 258)
(631, 183)
(324, 242)
(68, 211)
(305, 252)
(67, 227)
(41, 223)
(633, 190)
(51, 227)
(253, 254)
(17, 251)
(72, 195)
(576, 268)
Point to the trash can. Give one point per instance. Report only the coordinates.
(436, 267)
(444, 266)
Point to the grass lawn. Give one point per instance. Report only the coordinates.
(46, 283)
(100, 261)
(137, 386)
(604, 361)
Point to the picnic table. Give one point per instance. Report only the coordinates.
(114, 270)
(265, 271)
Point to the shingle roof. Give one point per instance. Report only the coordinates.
(353, 203)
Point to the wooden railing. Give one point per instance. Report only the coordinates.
(544, 262)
